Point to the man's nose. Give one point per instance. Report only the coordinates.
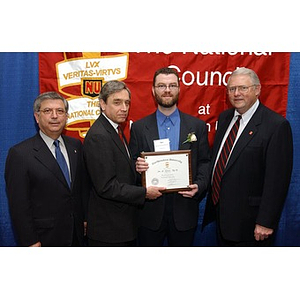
(124, 106)
(237, 91)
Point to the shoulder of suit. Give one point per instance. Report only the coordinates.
(97, 125)
(71, 140)
(29, 142)
(271, 112)
(227, 112)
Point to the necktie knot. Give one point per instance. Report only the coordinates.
(56, 143)
(120, 132)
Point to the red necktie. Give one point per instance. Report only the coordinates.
(222, 161)
(120, 134)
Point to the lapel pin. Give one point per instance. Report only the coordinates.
(75, 151)
(251, 132)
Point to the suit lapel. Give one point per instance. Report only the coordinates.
(45, 157)
(247, 135)
(222, 127)
(151, 131)
(72, 154)
(185, 129)
(116, 139)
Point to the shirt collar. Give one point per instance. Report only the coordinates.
(161, 118)
(113, 124)
(249, 113)
(49, 141)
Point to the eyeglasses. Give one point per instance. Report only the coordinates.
(241, 88)
(49, 111)
(163, 87)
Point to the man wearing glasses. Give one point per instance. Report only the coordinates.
(46, 181)
(251, 166)
(173, 215)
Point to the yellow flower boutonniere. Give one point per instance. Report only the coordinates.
(191, 137)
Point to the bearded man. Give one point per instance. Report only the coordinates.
(173, 215)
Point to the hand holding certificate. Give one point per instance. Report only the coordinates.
(170, 169)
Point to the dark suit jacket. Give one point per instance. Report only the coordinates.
(114, 201)
(42, 206)
(143, 133)
(256, 179)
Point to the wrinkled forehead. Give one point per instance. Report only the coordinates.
(237, 80)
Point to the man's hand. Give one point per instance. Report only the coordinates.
(261, 232)
(191, 193)
(38, 244)
(141, 165)
(154, 192)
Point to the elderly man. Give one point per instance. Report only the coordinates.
(251, 166)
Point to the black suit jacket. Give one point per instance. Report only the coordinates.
(256, 179)
(42, 206)
(114, 201)
(143, 133)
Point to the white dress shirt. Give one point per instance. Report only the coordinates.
(49, 142)
(245, 118)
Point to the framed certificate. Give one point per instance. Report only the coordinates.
(169, 169)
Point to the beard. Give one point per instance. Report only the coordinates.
(164, 102)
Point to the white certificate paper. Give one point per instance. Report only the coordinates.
(171, 170)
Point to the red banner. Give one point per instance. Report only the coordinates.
(80, 76)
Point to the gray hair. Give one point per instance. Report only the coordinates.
(112, 87)
(245, 71)
(49, 96)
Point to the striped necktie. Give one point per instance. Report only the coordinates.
(222, 161)
(62, 162)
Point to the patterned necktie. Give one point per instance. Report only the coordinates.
(62, 162)
(222, 161)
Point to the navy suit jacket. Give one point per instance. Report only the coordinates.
(185, 211)
(42, 206)
(256, 179)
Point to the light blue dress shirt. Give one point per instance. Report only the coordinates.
(169, 128)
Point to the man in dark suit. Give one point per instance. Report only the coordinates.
(115, 199)
(173, 215)
(45, 209)
(247, 197)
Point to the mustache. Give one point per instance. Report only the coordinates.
(166, 94)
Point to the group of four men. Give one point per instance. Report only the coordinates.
(246, 174)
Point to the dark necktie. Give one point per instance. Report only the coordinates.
(222, 161)
(120, 133)
(62, 162)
